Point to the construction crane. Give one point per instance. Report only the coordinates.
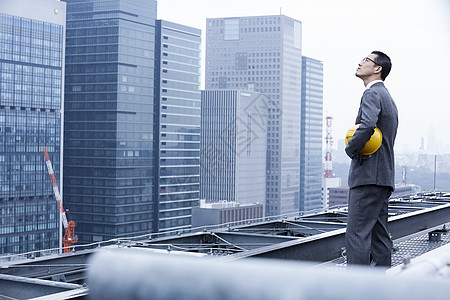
(69, 237)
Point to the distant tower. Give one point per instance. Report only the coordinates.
(328, 180)
(329, 142)
(403, 174)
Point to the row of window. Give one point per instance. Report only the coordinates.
(23, 246)
(127, 191)
(260, 29)
(240, 73)
(48, 58)
(267, 20)
(25, 25)
(175, 223)
(144, 202)
(175, 213)
(179, 204)
(18, 228)
(11, 239)
(275, 79)
(135, 227)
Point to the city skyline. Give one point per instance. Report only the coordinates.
(340, 33)
(115, 130)
(85, 91)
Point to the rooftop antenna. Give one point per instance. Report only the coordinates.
(280, 10)
(434, 179)
(328, 158)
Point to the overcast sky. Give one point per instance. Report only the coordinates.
(414, 33)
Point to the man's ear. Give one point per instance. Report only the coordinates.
(378, 69)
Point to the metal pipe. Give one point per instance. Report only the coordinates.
(137, 275)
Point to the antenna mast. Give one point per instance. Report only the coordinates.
(328, 158)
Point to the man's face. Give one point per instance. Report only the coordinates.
(366, 67)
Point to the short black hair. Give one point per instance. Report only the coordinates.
(384, 61)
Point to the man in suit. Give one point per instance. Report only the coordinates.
(371, 177)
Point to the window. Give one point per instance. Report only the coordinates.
(231, 31)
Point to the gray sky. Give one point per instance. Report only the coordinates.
(414, 33)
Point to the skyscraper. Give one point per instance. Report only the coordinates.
(233, 146)
(109, 98)
(177, 123)
(311, 135)
(264, 54)
(31, 93)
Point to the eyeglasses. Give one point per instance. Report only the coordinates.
(368, 58)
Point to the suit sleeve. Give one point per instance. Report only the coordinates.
(369, 110)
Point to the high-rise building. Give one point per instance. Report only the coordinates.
(311, 135)
(233, 146)
(177, 123)
(264, 54)
(109, 154)
(31, 93)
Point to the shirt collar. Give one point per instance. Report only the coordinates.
(369, 85)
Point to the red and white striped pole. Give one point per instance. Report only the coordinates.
(55, 187)
(328, 173)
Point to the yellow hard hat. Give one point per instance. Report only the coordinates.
(372, 145)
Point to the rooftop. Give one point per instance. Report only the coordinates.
(418, 225)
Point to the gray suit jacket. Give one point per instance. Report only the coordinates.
(377, 109)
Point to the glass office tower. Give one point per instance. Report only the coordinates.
(264, 54)
(109, 101)
(311, 135)
(233, 146)
(177, 123)
(31, 91)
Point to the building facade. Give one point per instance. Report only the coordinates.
(327, 184)
(109, 154)
(337, 197)
(177, 124)
(31, 95)
(264, 54)
(233, 146)
(223, 214)
(311, 135)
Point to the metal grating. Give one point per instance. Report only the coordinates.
(416, 246)
(405, 248)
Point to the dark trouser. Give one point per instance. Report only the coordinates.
(367, 238)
